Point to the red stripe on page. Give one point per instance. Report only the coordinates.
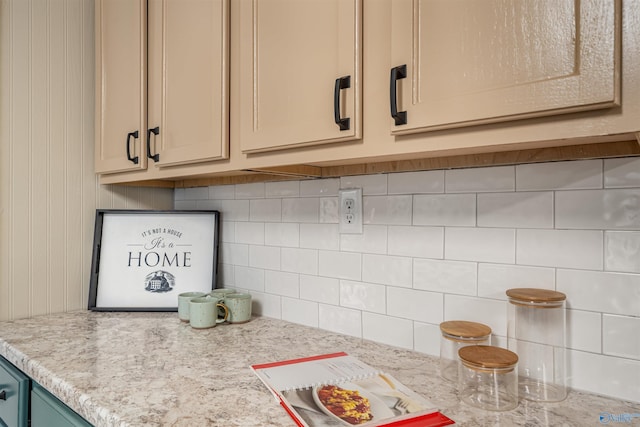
(292, 415)
(304, 359)
(435, 419)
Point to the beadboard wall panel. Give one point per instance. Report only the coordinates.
(48, 187)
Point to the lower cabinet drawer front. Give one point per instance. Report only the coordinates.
(48, 411)
(14, 396)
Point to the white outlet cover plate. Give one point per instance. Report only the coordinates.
(350, 219)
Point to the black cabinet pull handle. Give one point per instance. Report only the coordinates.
(397, 73)
(130, 135)
(341, 83)
(155, 131)
(3, 395)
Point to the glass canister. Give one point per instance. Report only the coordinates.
(488, 377)
(536, 331)
(455, 335)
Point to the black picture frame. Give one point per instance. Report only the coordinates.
(142, 259)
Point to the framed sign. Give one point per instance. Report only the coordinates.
(142, 259)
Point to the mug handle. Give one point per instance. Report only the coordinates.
(226, 313)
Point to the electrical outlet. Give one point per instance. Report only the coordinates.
(350, 210)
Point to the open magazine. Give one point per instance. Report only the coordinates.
(339, 390)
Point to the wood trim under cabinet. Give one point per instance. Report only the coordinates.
(296, 172)
(538, 155)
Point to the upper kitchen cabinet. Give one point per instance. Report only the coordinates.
(466, 62)
(121, 88)
(299, 73)
(162, 87)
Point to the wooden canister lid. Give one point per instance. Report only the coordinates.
(487, 357)
(465, 329)
(535, 296)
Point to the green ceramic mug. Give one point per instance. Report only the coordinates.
(203, 312)
(183, 303)
(239, 305)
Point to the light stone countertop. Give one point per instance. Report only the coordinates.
(150, 369)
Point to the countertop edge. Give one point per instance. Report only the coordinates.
(80, 402)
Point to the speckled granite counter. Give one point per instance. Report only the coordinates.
(150, 369)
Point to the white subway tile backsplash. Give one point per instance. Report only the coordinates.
(202, 204)
(282, 189)
(370, 184)
(372, 240)
(392, 210)
(249, 278)
(415, 305)
(560, 248)
(227, 231)
(222, 192)
(614, 376)
(255, 190)
(268, 210)
(183, 205)
(598, 209)
(320, 289)
(387, 270)
(196, 193)
(363, 296)
(341, 320)
(319, 187)
(319, 236)
(387, 330)
(250, 232)
(226, 276)
(622, 251)
(480, 244)
(426, 338)
(329, 210)
(341, 265)
(268, 305)
(477, 180)
(445, 209)
(233, 210)
(416, 182)
(575, 175)
(516, 210)
(446, 245)
(584, 330)
(300, 210)
(620, 336)
(492, 313)
(282, 234)
(614, 293)
(624, 172)
(299, 311)
(454, 277)
(267, 257)
(234, 254)
(281, 283)
(419, 242)
(303, 261)
(495, 279)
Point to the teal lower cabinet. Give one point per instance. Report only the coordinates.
(48, 411)
(14, 396)
(44, 409)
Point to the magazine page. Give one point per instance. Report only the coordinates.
(339, 390)
(311, 371)
(365, 402)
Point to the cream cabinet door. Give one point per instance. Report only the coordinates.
(121, 90)
(188, 81)
(299, 73)
(465, 62)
